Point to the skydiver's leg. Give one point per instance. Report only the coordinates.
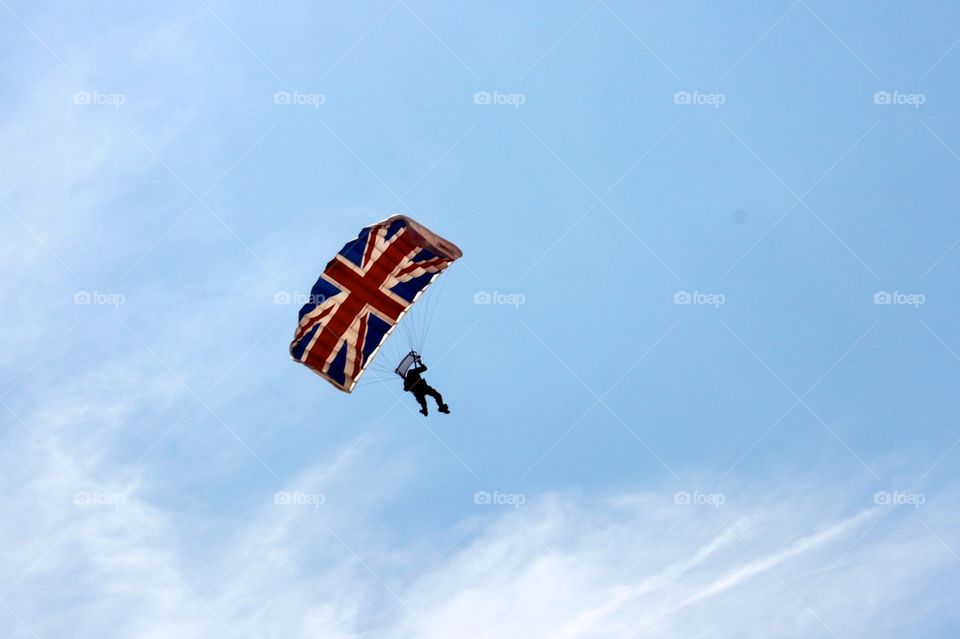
(434, 393)
(422, 400)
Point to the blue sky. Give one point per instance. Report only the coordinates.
(717, 399)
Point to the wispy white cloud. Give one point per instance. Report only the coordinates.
(702, 578)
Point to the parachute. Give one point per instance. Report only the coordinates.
(362, 295)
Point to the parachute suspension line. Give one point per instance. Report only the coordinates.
(391, 354)
(373, 375)
(396, 354)
(428, 311)
(422, 311)
(416, 328)
(377, 374)
(372, 382)
(417, 320)
(380, 365)
(410, 320)
(386, 367)
(423, 319)
(378, 369)
(433, 310)
(407, 329)
(404, 326)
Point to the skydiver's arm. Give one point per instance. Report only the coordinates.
(420, 368)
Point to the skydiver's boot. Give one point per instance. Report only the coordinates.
(423, 411)
(443, 408)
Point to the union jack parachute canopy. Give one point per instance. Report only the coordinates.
(363, 293)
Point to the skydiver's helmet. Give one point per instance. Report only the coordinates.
(408, 360)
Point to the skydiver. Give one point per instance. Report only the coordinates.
(414, 383)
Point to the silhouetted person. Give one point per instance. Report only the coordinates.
(414, 383)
